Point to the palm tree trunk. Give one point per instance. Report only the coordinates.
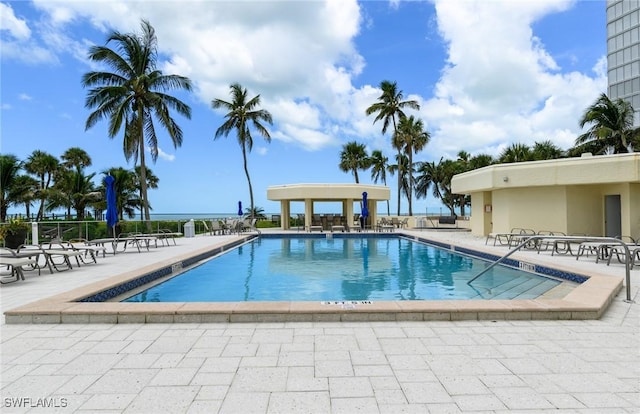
(143, 179)
(395, 131)
(355, 173)
(410, 192)
(246, 171)
(399, 180)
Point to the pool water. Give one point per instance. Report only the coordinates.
(321, 269)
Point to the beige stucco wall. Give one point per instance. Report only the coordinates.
(563, 195)
(520, 207)
(584, 210)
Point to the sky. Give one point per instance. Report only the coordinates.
(486, 74)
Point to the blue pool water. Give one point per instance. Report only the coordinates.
(319, 269)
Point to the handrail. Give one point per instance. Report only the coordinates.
(570, 238)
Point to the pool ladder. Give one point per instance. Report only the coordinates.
(537, 237)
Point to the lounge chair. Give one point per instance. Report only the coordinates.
(545, 244)
(15, 263)
(54, 251)
(620, 253)
(90, 250)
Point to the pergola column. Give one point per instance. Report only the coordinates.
(285, 213)
(308, 213)
(373, 212)
(347, 210)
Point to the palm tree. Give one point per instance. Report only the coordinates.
(75, 157)
(10, 168)
(44, 166)
(257, 213)
(410, 138)
(516, 153)
(480, 160)
(126, 190)
(152, 182)
(242, 112)
(404, 170)
(23, 191)
(74, 190)
(438, 178)
(611, 125)
(354, 157)
(379, 166)
(428, 177)
(388, 108)
(546, 150)
(133, 94)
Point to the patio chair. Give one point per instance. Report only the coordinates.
(9, 258)
(216, 228)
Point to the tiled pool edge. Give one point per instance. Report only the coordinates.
(587, 301)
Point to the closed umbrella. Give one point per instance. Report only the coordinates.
(365, 209)
(239, 208)
(112, 208)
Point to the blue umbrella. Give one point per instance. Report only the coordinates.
(112, 209)
(239, 208)
(365, 209)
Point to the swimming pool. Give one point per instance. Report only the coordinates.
(343, 268)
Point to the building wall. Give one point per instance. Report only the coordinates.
(521, 207)
(634, 202)
(623, 52)
(585, 210)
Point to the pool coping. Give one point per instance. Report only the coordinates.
(588, 300)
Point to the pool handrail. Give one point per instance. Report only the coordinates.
(613, 240)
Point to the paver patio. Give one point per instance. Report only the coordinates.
(584, 366)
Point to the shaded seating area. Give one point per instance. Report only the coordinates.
(345, 194)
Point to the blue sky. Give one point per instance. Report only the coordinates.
(486, 74)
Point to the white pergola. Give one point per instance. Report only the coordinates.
(310, 193)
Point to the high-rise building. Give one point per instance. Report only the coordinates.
(623, 52)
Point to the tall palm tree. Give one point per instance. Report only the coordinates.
(44, 166)
(10, 168)
(379, 166)
(354, 157)
(243, 112)
(133, 94)
(410, 138)
(389, 108)
(611, 125)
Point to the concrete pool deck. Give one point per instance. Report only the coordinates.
(498, 366)
(586, 301)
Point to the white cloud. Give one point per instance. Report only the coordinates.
(24, 97)
(16, 27)
(161, 154)
(300, 56)
(500, 85)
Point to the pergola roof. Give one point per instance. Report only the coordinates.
(327, 192)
